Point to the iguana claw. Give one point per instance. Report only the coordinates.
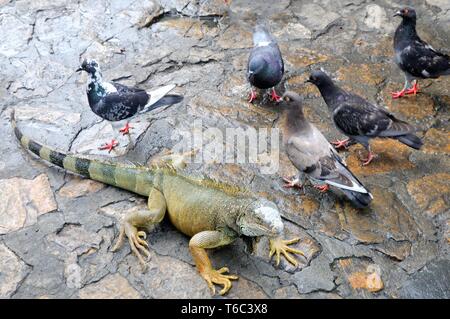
(280, 246)
(137, 242)
(213, 276)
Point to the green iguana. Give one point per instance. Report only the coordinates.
(213, 214)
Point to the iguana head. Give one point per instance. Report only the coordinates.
(261, 218)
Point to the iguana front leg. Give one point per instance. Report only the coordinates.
(142, 219)
(279, 246)
(197, 246)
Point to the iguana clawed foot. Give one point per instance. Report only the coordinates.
(279, 246)
(213, 276)
(137, 242)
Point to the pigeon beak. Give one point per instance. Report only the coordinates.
(397, 14)
(79, 69)
(308, 81)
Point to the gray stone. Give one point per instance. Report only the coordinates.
(12, 271)
(431, 282)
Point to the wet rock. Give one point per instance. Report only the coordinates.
(111, 287)
(12, 270)
(78, 186)
(24, 201)
(431, 193)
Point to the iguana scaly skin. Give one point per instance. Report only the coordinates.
(213, 214)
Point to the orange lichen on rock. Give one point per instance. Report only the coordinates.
(429, 192)
(391, 156)
(436, 141)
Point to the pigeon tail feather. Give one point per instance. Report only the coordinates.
(360, 200)
(411, 140)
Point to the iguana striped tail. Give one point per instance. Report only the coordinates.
(136, 179)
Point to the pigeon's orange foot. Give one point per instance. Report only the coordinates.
(414, 90)
(290, 183)
(322, 188)
(252, 96)
(399, 94)
(109, 146)
(274, 96)
(369, 159)
(126, 130)
(341, 143)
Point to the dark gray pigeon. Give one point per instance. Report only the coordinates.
(360, 120)
(416, 58)
(265, 67)
(116, 102)
(313, 155)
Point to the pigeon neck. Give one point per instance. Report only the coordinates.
(95, 88)
(329, 92)
(296, 120)
(406, 30)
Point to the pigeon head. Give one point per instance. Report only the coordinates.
(89, 66)
(406, 13)
(319, 78)
(291, 97)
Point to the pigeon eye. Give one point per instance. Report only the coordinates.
(405, 11)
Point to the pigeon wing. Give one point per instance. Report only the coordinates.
(317, 158)
(422, 60)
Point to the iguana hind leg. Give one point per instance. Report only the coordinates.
(197, 246)
(142, 219)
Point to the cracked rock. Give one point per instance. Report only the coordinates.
(23, 201)
(12, 272)
(112, 286)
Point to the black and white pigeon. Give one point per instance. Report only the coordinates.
(416, 58)
(313, 155)
(116, 102)
(361, 120)
(265, 66)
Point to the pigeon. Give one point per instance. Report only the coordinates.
(116, 102)
(416, 58)
(312, 154)
(361, 120)
(265, 67)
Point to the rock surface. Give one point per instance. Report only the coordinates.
(57, 230)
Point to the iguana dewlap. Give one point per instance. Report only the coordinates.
(213, 214)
